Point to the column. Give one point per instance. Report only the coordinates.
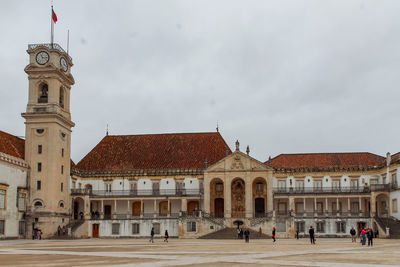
(337, 205)
(326, 204)
(115, 209)
(169, 209)
(304, 206)
(184, 205)
(348, 205)
(291, 204)
(141, 208)
(128, 213)
(359, 205)
(207, 194)
(227, 199)
(155, 208)
(315, 205)
(248, 199)
(270, 198)
(102, 210)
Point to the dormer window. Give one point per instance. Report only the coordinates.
(61, 99)
(43, 93)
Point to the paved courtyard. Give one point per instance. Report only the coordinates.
(193, 252)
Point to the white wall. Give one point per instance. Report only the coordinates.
(14, 177)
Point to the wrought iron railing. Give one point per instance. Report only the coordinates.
(322, 190)
(138, 193)
(49, 46)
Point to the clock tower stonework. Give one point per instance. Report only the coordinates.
(48, 138)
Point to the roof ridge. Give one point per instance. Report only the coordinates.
(327, 153)
(162, 134)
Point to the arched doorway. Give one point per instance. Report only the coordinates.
(219, 207)
(238, 198)
(78, 208)
(217, 197)
(193, 207)
(382, 205)
(259, 207)
(259, 189)
(136, 208)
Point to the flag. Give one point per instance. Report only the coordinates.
(54, 16)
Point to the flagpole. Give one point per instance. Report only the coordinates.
(52, 27)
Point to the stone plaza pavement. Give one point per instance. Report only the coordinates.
(193, 252)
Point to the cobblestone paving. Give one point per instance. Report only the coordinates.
(140, 253)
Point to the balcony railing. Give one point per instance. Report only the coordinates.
(138, 193)
(332, 214)
(322, 190)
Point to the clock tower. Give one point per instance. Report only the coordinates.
(48, 138)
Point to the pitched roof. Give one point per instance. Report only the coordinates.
(155, 151)
(12, 145)
(395, 157)
(327, 160)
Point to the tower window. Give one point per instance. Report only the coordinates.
(38, 204)
(39, 167)
(62, 152)
(62, 186)
(39, 149)
(39, 185)
(62, 169)
(61, 100)
(43, 93)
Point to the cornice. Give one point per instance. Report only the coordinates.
(137, 173)
(14, 160)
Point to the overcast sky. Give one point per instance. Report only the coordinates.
(280, 76)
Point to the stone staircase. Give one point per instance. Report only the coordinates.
(392, 223)
(231, 233)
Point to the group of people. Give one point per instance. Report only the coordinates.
(61, 230)
(166, 236)
(37, 234)
(245, 233)
(365, 233)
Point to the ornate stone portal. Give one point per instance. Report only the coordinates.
(238, 198)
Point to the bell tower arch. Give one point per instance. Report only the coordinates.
(48, 127)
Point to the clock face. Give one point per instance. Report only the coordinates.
(42, 57)
(64, 64)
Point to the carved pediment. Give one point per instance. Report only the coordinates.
(238, 161)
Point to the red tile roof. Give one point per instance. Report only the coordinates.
(12, 145)
(327, 160)
(395, 157)
(155, 151)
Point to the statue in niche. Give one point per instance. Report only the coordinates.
(238, 193)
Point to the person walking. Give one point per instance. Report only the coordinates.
(363, 236)
(297, 233)
(370, 236)
(152, 235)
(241, 233)
(311, 232)
(39, 234)
(166, 236)
(238, 232)
(247, 235)
(353, 235)
(273, 234)
(259, 232)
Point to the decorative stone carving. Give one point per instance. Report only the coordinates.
(238, 198)
(237, 163)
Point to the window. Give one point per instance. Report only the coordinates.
(61, 204)
(373, 181)
(335, 208)
(354, 207)
(21, 201)
(39, 185)
(318, 185)
(259, 188)
(299, 207)
(115, 229)
(320, 207)
(320, 227)
(219, 187)
(281, 226)
(73, 185)
(108, 187)
(61, 99)
(300, 226)
(354, 184)
(43, 93)
(62, 169)
(394, 178)
(135, 229)
(21, 227)
(62, 187)
(340, 227)
(336, 185)
(394, 205)
(2, 199)
(62, 152)
(281, 208)
(299, 185)
(38, 204)
(156, 228)
(39, 149)
(2, 225)
(39, 167)
(191, 227)
(281, 185)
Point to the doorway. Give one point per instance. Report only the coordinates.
(360, 226)
(259, 207)
(76, 210)
(95, 230)
(219, 207)
(107, 212)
